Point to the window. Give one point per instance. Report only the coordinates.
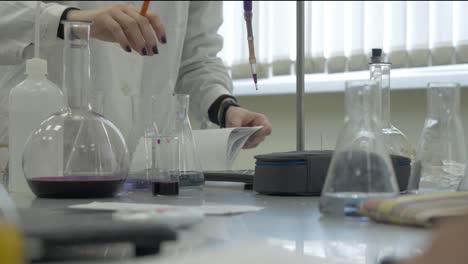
(339, 37)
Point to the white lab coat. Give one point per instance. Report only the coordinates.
(187, 63)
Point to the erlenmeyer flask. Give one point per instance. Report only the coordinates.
(441, 156)
(93, 154)
(176, 123)
(11, 239)
(395, 141)
(144, 167)
(360, 166)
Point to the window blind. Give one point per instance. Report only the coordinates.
(340, 35)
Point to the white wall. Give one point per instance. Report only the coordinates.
(324, 114)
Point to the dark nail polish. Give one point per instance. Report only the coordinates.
(163, 39)
(155, 50)
(143, 50)
(128, 49)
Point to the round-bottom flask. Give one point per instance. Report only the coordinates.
(76, 153)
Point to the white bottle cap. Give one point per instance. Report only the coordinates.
(36, 67)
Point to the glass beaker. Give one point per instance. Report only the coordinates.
(11, 239)
(395, 141)
(174, 109)
(360, 167)
(441, 155)
(144, 165)
(76, 153)
(165, 179)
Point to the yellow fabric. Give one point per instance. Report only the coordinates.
(11, 245)
(419, 210)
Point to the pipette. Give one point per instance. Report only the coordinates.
(248, 21)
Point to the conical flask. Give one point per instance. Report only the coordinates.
(360, 166)
(176, 123)
(441, 155)
(395, 141)
(93, 154)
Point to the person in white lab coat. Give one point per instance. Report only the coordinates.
(171, 49)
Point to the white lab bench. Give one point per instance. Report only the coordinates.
(293, 223)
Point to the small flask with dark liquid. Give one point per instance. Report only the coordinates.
(167, 175)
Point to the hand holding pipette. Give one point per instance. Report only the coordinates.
(248, 20)
(125, 24)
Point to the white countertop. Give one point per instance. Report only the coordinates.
(294, 223)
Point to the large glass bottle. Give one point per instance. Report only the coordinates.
(441, 155)
(360, 167)
(395, 141)
(94, 154)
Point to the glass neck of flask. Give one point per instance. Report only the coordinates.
(362, 104)
(443, 101)
(76, 64)
(380, 73)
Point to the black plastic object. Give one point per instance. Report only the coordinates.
(165, 188)
(304, 173)
(62, 229)
(245, 176)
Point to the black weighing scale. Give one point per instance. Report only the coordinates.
(296, 173)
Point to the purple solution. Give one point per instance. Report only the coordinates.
(75, 186)
(166, 188)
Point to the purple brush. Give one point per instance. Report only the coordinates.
(248, 20)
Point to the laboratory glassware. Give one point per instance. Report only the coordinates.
(395, 141)
(176, 122)
(76, 153)
(360, 167)
(441, 155)
(11, 238)
(141, 177)
(30, 102)
(165, 180)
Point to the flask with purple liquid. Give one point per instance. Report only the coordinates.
(94, 155)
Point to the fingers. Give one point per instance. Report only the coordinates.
(259, 136)
(157, 26)
(118, 33)
(147, 32)
(238, 117)
(131, 30)
(139, 32)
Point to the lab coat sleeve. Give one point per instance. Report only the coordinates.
(17, 28)
(202, 74)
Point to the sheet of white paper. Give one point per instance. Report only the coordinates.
(212, 209)
(211, 147)
(218, 148)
